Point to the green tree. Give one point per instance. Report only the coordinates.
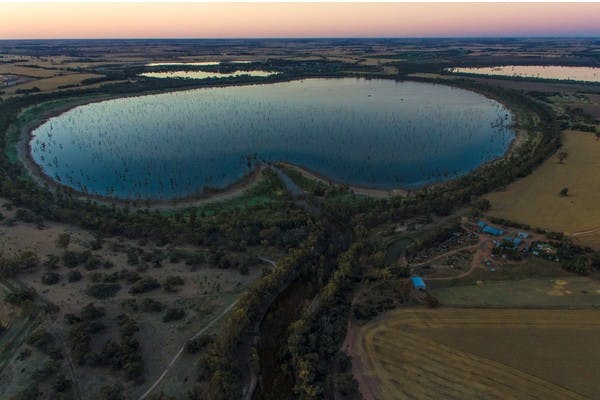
(63, 240)
(562, 156)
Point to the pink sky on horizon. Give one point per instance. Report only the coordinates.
(238, 20)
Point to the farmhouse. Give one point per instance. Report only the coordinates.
(418, 283)
(492, 231)
(485, 228)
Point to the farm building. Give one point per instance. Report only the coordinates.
(515, 242)
(418, 283)
(492, 231)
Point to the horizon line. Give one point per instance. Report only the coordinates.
(595, 36)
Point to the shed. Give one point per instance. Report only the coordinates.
(492, 231)
(418, 282)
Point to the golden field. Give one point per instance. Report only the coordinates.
(480, 354)
(535, 199)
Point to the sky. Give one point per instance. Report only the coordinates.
(49, 20)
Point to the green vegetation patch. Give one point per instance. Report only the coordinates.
(576, 291)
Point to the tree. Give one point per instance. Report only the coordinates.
(564, 192)
(562, 156)
(63, 240)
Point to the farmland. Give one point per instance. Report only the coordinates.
(471, 353)
(535, 199)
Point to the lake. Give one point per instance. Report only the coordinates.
(373, 133)
(583, 74)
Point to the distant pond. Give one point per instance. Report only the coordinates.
(583, 74)
(373, 133)
(204, 74)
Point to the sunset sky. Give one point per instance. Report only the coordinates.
(29, 20)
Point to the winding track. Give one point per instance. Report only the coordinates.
(180, 352)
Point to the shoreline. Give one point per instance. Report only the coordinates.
(236, 189)
(356, 189)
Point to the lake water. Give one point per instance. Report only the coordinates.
(200, 63)
(373, 133)
(584, 74)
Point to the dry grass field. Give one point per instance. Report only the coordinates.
(479, 354)
(535, 199)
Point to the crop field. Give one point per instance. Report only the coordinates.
(565, 291)
(474, 353)
(26, 71)
(535, 199)
(53, 82)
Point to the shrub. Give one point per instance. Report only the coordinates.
(133, 370)
(51, 261)
(50, 278)
(111, 393)
(144, 285)
(129, 276)
(27, 260)
(193, 346)
(20, 297)
(91, 313)
(133, 257)
(103, 290)
(173, 314)
(151, 305)
(73, 258)
(74, 276)
(92, 263)
(63, 240)
(61, 384)
(171, 283)
(41, 340)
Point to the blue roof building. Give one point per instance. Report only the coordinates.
(492, 231)
(481, 224)
(515, 242)
(418, 282)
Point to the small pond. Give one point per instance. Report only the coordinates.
(204, 74)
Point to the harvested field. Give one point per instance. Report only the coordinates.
(535, 199)
(473, 353)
